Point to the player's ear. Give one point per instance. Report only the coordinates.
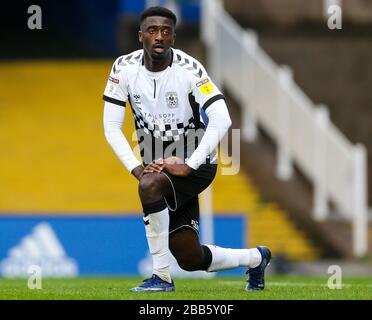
(140, 35)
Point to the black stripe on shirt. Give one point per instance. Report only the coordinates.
(114, 101)
(213, 99)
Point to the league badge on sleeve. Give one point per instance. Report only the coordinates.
(205, 86)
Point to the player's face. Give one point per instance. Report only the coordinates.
(157, 36)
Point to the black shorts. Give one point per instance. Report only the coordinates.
(184, 204)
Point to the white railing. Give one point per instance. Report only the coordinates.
(302, 131)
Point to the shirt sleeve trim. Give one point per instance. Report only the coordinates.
(213, 99)
(114, 101)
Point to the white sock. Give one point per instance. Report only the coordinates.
(157, 233)
(226, 258)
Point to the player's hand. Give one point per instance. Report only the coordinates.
(176, 167)
(154, 166)
(173, 165)
(159, 164)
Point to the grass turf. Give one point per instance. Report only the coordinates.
(219, 288)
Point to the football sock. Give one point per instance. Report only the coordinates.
(157, 233)
(227, 258)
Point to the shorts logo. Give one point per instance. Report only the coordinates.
(114, 80)
(205, 86)
(137, 98)
(172, 99)
(195, 224)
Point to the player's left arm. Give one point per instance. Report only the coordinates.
(218, 123)
(213, 103)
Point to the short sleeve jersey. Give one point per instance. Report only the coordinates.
(166, 105)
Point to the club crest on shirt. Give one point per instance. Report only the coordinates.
(171, 98)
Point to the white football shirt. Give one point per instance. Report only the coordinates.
(166, 105)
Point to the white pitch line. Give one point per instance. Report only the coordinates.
(306, 284)
(296, 284)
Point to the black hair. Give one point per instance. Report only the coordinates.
(158, 11)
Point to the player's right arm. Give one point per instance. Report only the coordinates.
(115, 97)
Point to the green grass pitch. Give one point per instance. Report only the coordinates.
(218, 288)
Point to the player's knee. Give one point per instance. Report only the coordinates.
(149, 183)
